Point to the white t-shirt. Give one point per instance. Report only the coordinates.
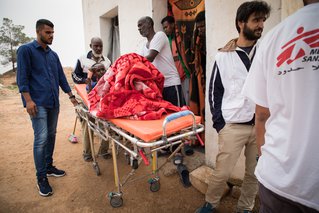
(284, 77)
(164, 61)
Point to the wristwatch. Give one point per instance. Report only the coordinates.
(71, 97)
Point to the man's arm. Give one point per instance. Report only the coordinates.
(31, 107)
(262, 115)
(23, 75)
(216, 93)
(64, 83)
(151, 56)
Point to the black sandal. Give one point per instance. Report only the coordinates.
(188, 150)
(184, 175)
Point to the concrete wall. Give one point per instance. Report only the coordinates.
(96, 19)
(97, 15)
(220, 28)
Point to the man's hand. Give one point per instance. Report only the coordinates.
(74, 101)
(30, 105)
(88, 81)
(262, 115)
(31, 108)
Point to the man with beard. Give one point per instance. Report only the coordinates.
(80, 76)
(39, 76)
(233, 114)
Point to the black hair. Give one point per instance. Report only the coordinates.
(41, 22)
(248, 8)
(149, 20)
(200, 17)
(169, 19)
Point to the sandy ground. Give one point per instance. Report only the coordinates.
(80, 190)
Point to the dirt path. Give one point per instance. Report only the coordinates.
(80, 190)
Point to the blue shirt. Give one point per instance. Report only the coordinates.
(40, 73)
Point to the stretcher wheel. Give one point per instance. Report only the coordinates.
(135, 164)
(155, 186)
(96, 169)
(116, 201)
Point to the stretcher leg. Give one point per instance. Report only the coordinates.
(154, 182)
(116, 173)
(116, 199)
(95, 164)
(154, 163)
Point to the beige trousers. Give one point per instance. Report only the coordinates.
(231, 140)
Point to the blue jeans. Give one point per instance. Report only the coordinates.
(44, 126)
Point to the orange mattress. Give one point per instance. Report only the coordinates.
(146, 130)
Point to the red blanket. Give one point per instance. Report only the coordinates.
(132, 87)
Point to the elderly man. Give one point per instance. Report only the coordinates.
(80, 76)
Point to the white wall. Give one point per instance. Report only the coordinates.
(97, 20)
(93, 11)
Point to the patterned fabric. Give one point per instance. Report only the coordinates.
(192, 50)
(132, 88)
(184, 12)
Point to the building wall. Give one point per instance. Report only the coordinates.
(97, 16)
(95, 13)
(220, 28)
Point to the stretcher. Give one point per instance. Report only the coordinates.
(140, 139)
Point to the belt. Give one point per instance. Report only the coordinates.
(252, 123)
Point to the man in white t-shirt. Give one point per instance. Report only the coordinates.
(157, 50)
(284, 84)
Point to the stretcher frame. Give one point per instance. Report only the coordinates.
(136, 149)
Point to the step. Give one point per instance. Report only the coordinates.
(199, 177)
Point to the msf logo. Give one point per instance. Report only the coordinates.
(298, 46)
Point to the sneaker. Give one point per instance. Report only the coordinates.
(44, 187)
(53, 171)
(206, 208)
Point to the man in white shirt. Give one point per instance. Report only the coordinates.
(233, 114)
(284, 84)
(157, 50)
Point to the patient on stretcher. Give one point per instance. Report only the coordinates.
(94, 74)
